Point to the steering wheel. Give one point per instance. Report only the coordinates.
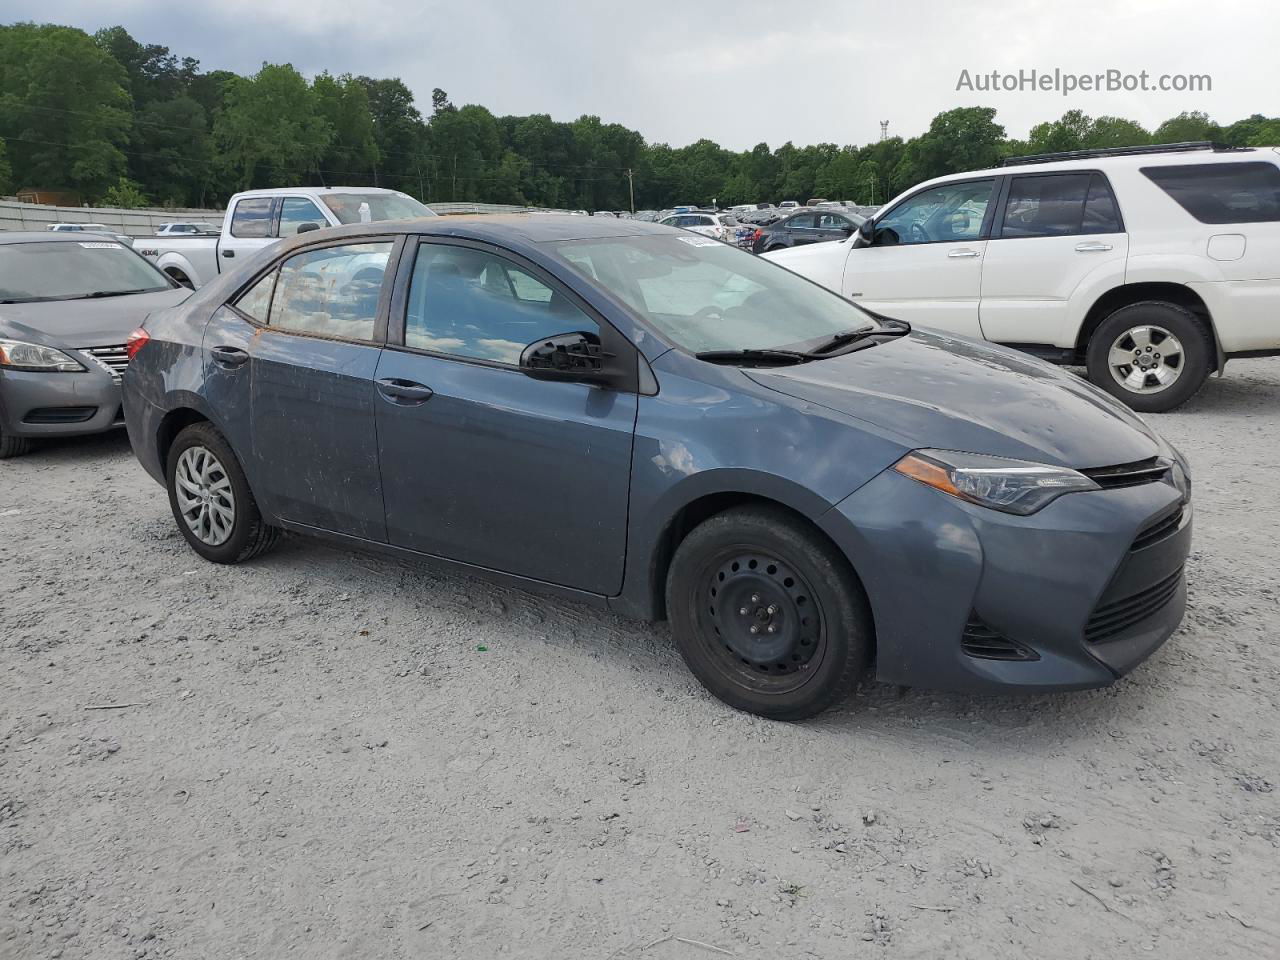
(919, 234)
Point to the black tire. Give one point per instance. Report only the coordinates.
(1195, 362)
(250, 535)
(768, 560)
(11, 446)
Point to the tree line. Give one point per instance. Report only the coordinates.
(125, 123)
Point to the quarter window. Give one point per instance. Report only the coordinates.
(295, 211)
(255, 302)
(1222, 192)
(331, 291)
(951, 212)
(252, 218)
(468, 303)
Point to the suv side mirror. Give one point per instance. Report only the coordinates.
(574, 357)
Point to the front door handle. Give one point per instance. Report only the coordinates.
(404, 392)
(228, 253)
(229, 357)
(958, 254)
(1092, 246)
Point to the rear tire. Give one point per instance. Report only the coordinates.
(1153, 355)
(211, 500)
(767, 614)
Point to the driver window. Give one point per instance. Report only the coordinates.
(469, 303)
(295, 211)
(332, 291)
(948, 213)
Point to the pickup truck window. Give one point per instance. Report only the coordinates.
(369, 207)
(252, 217)
(295, 211)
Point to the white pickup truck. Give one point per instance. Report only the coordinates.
(256, 218)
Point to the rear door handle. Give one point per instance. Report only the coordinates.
(404, 392)
(229, 356)
(1092, 246)
(958, 254)
(228, 253)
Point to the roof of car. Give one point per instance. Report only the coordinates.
(522, 227)
(1122, 160)
(48, 236)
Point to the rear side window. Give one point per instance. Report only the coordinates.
(1222, 192)
(467, 303)
(1059, 205)
(331, 291)
(252, 218)
(804, 220)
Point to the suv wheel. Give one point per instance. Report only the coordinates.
(211, 500)
(767, 614)
(1153, 355)
(13, 446)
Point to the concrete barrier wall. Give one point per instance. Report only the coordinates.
(15, 215)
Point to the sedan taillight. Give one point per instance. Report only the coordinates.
(135, 342)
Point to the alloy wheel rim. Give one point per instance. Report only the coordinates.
(763, 622)
(1146, 359)
(205, 498)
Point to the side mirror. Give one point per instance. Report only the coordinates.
(848, 229)
(308, 227)
(866, 233)
(574, 357)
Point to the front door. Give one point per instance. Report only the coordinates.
(482, 464)
(924, 264)
(250, 227)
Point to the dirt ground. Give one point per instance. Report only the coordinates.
(327, 755)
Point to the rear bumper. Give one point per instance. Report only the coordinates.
(1065, 585)
(142, 419)
(58, 404)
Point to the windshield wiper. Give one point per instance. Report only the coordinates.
(755, 356)
(838, 340)
(98, 294)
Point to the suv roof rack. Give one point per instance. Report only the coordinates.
(1185, 147)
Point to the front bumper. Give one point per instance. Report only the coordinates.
(1068, 586)
(59, 404)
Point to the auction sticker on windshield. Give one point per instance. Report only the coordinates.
(699, 241)
(101, 245)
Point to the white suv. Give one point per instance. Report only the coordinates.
(1153, 266)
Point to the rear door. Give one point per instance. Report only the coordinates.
(481, 463)
(291, 363)
(1055, 235)
(800, 228)
(250, 226)
(924, 264)
(831, 226)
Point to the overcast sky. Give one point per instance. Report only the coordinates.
(736, 71)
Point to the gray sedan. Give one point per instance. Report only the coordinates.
(657, 423)
(68, 302)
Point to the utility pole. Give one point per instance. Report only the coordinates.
(631, 187)
(455, 177)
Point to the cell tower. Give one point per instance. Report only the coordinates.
(884, 129)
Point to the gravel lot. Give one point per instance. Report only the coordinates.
(325, 754)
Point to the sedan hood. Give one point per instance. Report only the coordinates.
(928, 389)
(84, 323)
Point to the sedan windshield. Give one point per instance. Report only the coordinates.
(705, 295)
(368, 207)
(74, 270)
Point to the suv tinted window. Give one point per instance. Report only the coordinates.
(469, 303)
(1046, 206)
(332, 291)
(1100, 212)
(942, 214)
(252, 218)
(1222, 192)
(295, 211)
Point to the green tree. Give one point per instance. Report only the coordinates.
(1070, 132)
(6, 173)
(1185, 127)
(270, 132)
(398, 133)
(1116, 132)
(64, 109)
(344, 104)
(967, 138)
(124, 193)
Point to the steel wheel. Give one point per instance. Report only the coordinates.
(205, 499)
(766, 621)
(1146, 359)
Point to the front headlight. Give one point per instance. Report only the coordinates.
(16, 355)
(1011, 486)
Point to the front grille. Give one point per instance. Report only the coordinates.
(1116, 617)
(1151, 470)
(986, 643)
(1164, 527)
(59, 415)
(114, 359)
